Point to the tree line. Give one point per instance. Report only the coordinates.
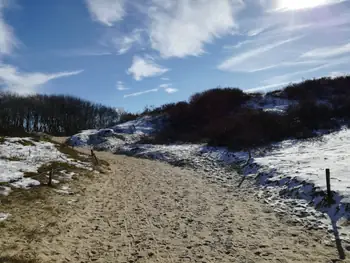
(220, 117)
(53, 114)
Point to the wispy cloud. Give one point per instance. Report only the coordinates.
(267, 88)
(328, 51)
(168, 88)
(165, 85)
(140, 93)
(256, 31)
(287, 5)
(296, 63)
(235, 63)
(335, 74)
(8, 40)
(238, 45)
(26, 83)
(305, 73)
(171, 90)
(120, 86)
(144, 68)
(83, 52)
(125, 43)
(106, 12)
(182, 28)
(165, 79)
(322, 31)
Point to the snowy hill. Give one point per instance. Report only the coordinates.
(121, 134)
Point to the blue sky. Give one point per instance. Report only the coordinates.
(131, 53)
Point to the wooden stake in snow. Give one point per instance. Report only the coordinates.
(328, 181)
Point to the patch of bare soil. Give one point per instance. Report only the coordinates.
(148, 211)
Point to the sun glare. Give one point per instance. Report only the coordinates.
(299, 4)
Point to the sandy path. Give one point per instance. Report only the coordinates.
(147, 211)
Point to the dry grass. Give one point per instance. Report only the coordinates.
(26, 142)
(43, 171)
(24, 196)
(12, 159)
(72, 153)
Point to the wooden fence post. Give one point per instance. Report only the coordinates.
(328, 181)
(50, 178)
(94, 157)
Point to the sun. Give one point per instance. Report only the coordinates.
(299, 4)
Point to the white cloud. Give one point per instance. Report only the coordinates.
(171, 90)
(256, 31)
(235, 63)
(8, 40)
(259, 31)
(327, 52)
(120, 86)
(165, 79)
(267, 88)
(182, 28)
(106, 12)
(287, 5)
(335, 74)
(26, 83)
(238, 45)
(143, 68)
(165, 85)
(305, 73)
(83, 52)
(295, 63)
(140, 93)
(125, 43)
(167, 88)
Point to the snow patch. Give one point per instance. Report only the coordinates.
(5, 191)
(125, 133)
(25, 155)
(65, 189)
(270, 103)
(25, 183)
(3, 216)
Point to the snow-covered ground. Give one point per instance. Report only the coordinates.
(298, 167)
(21, 155)
(25, 155)
(270, 104)
(125, 133)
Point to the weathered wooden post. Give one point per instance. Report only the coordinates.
(50, 178)
(328, 181)
(94, 157)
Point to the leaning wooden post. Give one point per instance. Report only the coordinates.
(94, 156)
(328, 181)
